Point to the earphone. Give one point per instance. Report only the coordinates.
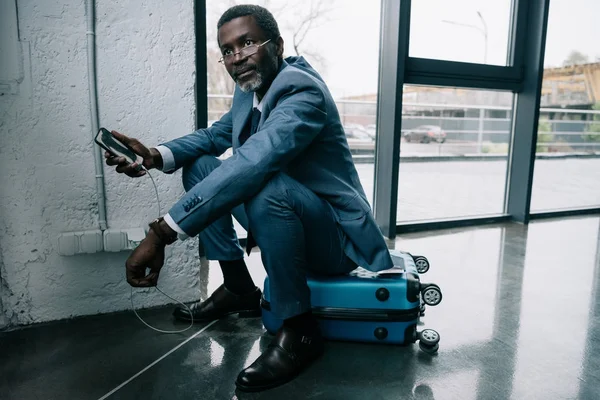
(131, 294)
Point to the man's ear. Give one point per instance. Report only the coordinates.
(279, 42)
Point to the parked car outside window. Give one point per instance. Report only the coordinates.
(426, 134)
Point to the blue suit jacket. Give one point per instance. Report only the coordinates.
(300, 134)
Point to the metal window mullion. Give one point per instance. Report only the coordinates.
(422, 71)
(517, 35)
(527, 108)
(470, 83)
(201, 84)
(394, 38)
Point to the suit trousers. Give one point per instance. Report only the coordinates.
(296, 231)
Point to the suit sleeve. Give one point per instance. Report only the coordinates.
(214, 140)
(298, 117)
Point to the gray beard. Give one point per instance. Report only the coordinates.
(251, 86)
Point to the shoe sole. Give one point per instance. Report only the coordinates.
(241, 314)
(252, 389)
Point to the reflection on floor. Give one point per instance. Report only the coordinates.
(520, 319)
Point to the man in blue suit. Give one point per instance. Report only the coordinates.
(290, 182)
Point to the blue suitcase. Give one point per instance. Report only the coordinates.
(364, 306)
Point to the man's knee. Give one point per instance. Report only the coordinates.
(195, 172)
(272, 195)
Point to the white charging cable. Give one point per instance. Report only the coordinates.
(160, 330)
(131, 294)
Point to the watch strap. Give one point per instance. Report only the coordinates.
(161, 232)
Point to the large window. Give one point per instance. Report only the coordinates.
(453, 153)
(473, 31)
(456, 124)
(567, 168)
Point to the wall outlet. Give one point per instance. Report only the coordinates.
(114, 240)
(95, 241)
(84, 242)
(91, 242)
(123, 239)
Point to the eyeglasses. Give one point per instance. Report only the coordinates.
(244, 52)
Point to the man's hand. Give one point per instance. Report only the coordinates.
(152, 158)
(149, 254)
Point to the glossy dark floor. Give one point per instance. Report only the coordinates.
(520, 319)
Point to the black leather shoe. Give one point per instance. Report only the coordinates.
(287, 355)
(221, 303)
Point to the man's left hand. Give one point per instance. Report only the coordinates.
(149, 254)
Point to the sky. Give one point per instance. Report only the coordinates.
(348, 37)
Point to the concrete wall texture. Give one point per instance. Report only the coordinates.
(145, 70)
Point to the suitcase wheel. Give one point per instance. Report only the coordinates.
(429, 341)
(429, 337)
(432, 295)
(429, 349)
(421, 263)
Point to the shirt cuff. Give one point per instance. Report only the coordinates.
(167, 158)
(181, 235)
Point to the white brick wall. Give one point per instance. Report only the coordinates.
(145, 52)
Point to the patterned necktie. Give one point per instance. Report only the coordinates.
(246, 133)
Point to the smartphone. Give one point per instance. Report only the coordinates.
(108, 142)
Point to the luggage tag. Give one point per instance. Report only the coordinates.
(398, 267)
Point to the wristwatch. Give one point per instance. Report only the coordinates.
(162, 233)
